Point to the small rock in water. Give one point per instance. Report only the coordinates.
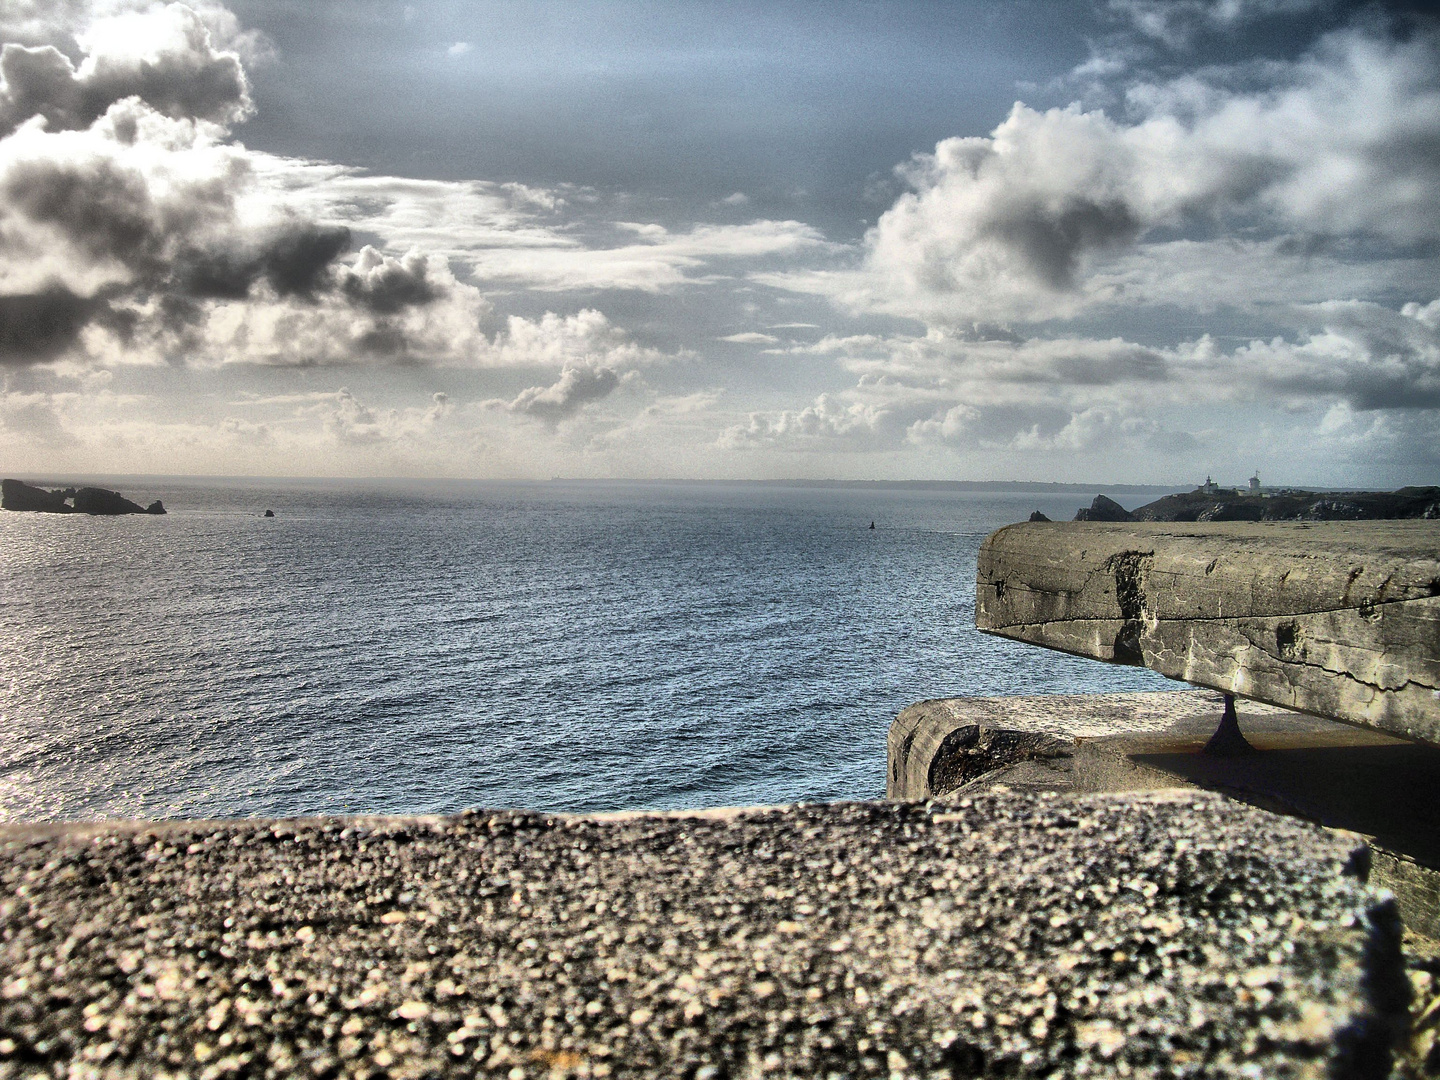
(157, 507)
(1035, 515)
(269, 513)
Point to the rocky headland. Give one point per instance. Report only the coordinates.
(1210, 504)
(99, 502)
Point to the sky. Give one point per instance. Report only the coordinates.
(1135, 241)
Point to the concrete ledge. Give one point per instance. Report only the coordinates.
(1335, 619)
(935, 747)
(1181, 934)
(1337, 775)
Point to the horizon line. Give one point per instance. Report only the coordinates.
(1059, 486)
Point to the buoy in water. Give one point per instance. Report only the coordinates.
(872, 524)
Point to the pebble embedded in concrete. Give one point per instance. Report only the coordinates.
(1154, 934)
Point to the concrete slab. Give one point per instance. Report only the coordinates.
(1149, 934)
(1337, 775)
(1335, 619)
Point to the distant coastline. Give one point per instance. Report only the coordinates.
(1037, 486)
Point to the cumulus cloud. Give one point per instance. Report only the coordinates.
(1366, 356)
(1340, 145)
(595, 359)
(1049, 395)
(352, 422)
(587, 337)
(831, 421)
(579, 385)
(148, 237)
(164, 56)
(385, 284)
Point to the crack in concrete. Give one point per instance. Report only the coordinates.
(1212, 618)
(1250, 641)
(1339, 672)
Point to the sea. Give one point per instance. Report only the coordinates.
(424, 646)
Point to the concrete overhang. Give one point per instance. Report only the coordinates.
(1336, 619)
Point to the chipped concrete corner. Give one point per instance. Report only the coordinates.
(1336, 619)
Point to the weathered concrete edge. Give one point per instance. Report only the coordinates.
(1247, 657)
(1342, 621)
(1374, 967)
(922, 739)
(44, 830)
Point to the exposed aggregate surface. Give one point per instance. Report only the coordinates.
(1004, 935)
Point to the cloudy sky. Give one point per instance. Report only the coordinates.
(1144, 240)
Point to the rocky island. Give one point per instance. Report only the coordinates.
(98, 502)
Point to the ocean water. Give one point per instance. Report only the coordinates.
(430, 647)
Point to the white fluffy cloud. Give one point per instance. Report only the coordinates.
(587, 337)
(1022, 225)
(578, 385)
(165, 56)
(352, 422)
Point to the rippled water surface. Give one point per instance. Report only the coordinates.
(555, 646)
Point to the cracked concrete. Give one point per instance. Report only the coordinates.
(1337, 619)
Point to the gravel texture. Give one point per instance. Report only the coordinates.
(1009, 935)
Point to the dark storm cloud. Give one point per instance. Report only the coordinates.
(107, 212)
(1050, 240)
(183, 245)
(41, 326)
(168, 61)
(387, 285)
(297, 261)
(1367, 355)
